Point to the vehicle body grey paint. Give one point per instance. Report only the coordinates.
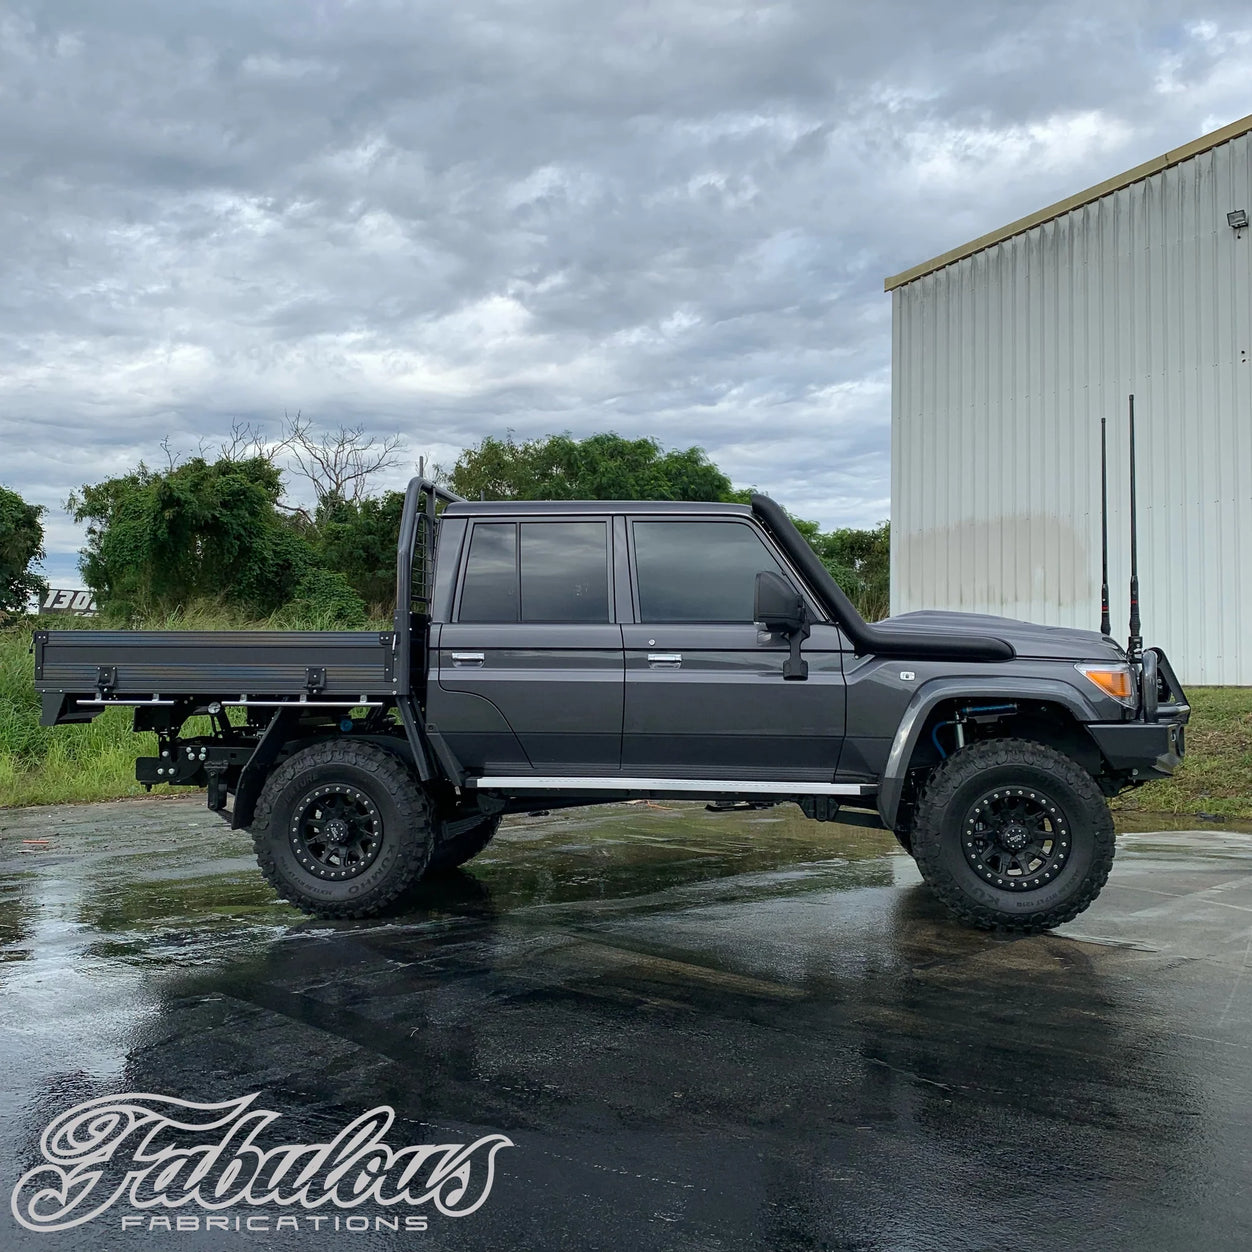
(558, 688)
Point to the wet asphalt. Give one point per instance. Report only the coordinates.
(698, 1030)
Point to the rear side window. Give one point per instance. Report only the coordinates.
(559, 573)
(698, 571)
(565, 572)
(490, 590)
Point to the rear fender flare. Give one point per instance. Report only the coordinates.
(1003, 687)
(272, 749)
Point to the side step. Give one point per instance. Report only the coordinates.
(693, 786)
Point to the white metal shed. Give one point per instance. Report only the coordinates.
(1005, 355)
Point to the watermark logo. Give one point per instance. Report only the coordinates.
(152, 1152)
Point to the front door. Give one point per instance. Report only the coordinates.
(530, 670)
(705, 693)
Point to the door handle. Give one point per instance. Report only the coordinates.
(674, 659)
(468, 658)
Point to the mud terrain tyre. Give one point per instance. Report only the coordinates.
(1013, 836)
(463, 847)
(342, 829)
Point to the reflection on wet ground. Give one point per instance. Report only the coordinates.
(699, 1030)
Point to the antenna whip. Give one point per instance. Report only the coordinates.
(1135, 645)
(1106, 626)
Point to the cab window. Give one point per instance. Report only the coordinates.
(489, 591)
(698, 571)
(537, 572)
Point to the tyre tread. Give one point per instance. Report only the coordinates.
(464, 847)
(961, 768)
(391, 772)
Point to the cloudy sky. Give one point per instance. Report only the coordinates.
(453, 220)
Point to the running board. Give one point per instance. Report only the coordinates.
(699, 786)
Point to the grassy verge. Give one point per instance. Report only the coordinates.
(96, 761)
(42, 765)
(1216, 777)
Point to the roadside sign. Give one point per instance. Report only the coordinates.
(68, 600)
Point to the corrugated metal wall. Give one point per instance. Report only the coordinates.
(1003, 365)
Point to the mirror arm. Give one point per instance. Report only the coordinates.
(795, 667)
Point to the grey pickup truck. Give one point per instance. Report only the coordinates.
(550, 654)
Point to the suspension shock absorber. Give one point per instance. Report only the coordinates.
(978, 713)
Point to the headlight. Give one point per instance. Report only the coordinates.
(1113, 680)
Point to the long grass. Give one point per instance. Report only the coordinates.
(1216, 776)
(43, 764)
(96, 760)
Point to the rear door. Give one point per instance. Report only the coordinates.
(705, 694)
(530, 665)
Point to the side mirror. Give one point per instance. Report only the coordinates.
(778, 606)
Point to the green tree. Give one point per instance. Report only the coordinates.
(323, 600)
(217, 531)
(200, 530)
(600, 467)
(609, 467)
(859, 561)
(21, 550)
(357, 538)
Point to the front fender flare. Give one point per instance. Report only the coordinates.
(929, 694)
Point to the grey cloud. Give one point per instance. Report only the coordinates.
(456, 220)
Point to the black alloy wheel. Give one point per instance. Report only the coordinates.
(1016, 837)
(336, 831)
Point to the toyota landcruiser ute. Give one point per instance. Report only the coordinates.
(560, 653)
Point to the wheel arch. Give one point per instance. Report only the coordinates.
(932, 698)
(398, 815)
(283, 737)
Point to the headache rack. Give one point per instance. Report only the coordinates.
(415, 567)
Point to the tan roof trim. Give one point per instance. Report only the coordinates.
(1110, 185)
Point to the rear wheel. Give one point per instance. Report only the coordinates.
(464, 846)
(342, 829)
(1013, 835)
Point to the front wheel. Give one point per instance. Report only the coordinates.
(343, 829)
(1012, 835)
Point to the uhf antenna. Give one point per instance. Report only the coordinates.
(1135, 644)
(1106, 626)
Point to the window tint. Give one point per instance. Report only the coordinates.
(490, 591)
(698, 571)
(565, 572)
